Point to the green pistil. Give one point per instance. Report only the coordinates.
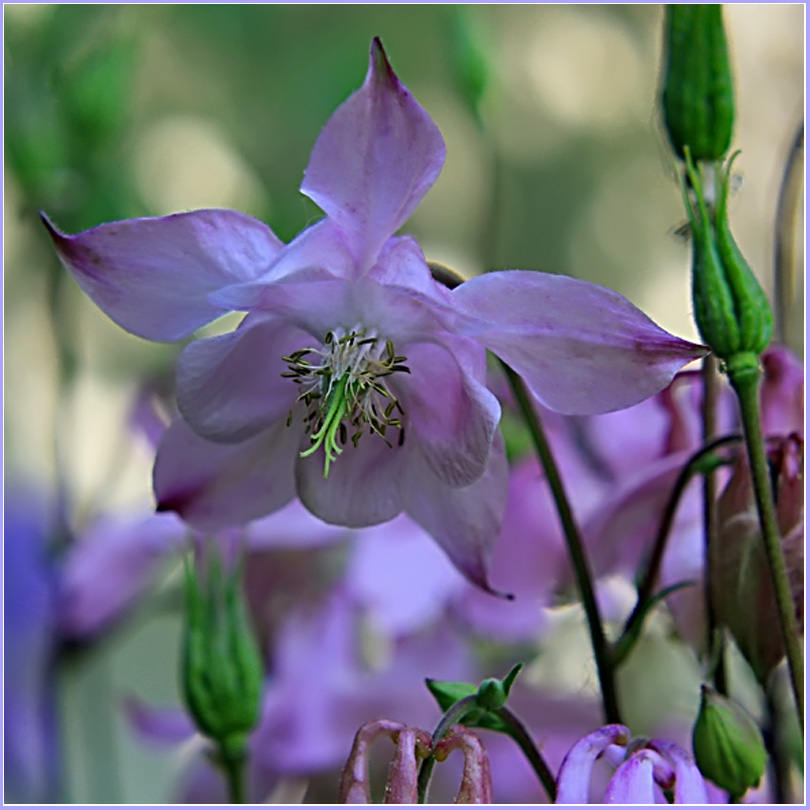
(329, 430)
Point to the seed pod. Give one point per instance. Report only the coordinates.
(728, 744)
(698, 93)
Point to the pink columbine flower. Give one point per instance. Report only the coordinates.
(347, 334)
(642, 765)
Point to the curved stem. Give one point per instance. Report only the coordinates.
(648, 581)
(520, 734)
(450, 717)
(576, 550)
(746, 387)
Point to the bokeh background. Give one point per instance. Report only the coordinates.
(122, 111)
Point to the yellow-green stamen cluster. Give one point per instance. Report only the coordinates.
(340, 383)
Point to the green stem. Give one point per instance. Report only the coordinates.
(519, 733)
(233, 759)
(650, 578)
(709, 416)
(576, 550)
(449, 718)
(746, 386)
(785, 263)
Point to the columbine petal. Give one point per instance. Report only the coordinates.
(318, 253)
(464, 521)
(690, 786)
(453, 416)
(152, 276)
(213, 486)
(401, 263)
(633, 781)
(230, 387)
(574, 776)
(374, 161)
(582, 348)
(368, 484)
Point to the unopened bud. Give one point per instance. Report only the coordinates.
(728, 744)
(731, 311)
(222, 671)
(698, 94)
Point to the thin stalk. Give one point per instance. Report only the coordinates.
(576, 550)
(746, 387)
(784, 244)
(449, 718)
(520, 734)
(708, 411)
(650, 577)
(779, 763)
(233, 761)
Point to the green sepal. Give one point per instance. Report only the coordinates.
(732, 312)
(698, 92)
(491, 696)
(711, 296)
(753, 310)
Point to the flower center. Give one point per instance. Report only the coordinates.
(341, 383)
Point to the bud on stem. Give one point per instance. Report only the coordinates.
(221, 669)
(728, 744)
(732, 313)
(698, 94)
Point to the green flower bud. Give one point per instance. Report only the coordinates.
(731, 311)
(728, 744)
(221, 668)
(754, 314)
(698, 94)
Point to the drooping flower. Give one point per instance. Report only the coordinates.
(347, 333)
(643, 765)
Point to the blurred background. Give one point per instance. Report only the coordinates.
(139, 110)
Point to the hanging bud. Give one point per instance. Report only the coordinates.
(698, 94)
(731, 311)
(222, 670)
(728, 744)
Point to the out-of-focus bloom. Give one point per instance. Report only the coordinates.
(347, 333)
(30, 752)
(645, 769)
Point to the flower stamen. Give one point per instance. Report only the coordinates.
(342, 383)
